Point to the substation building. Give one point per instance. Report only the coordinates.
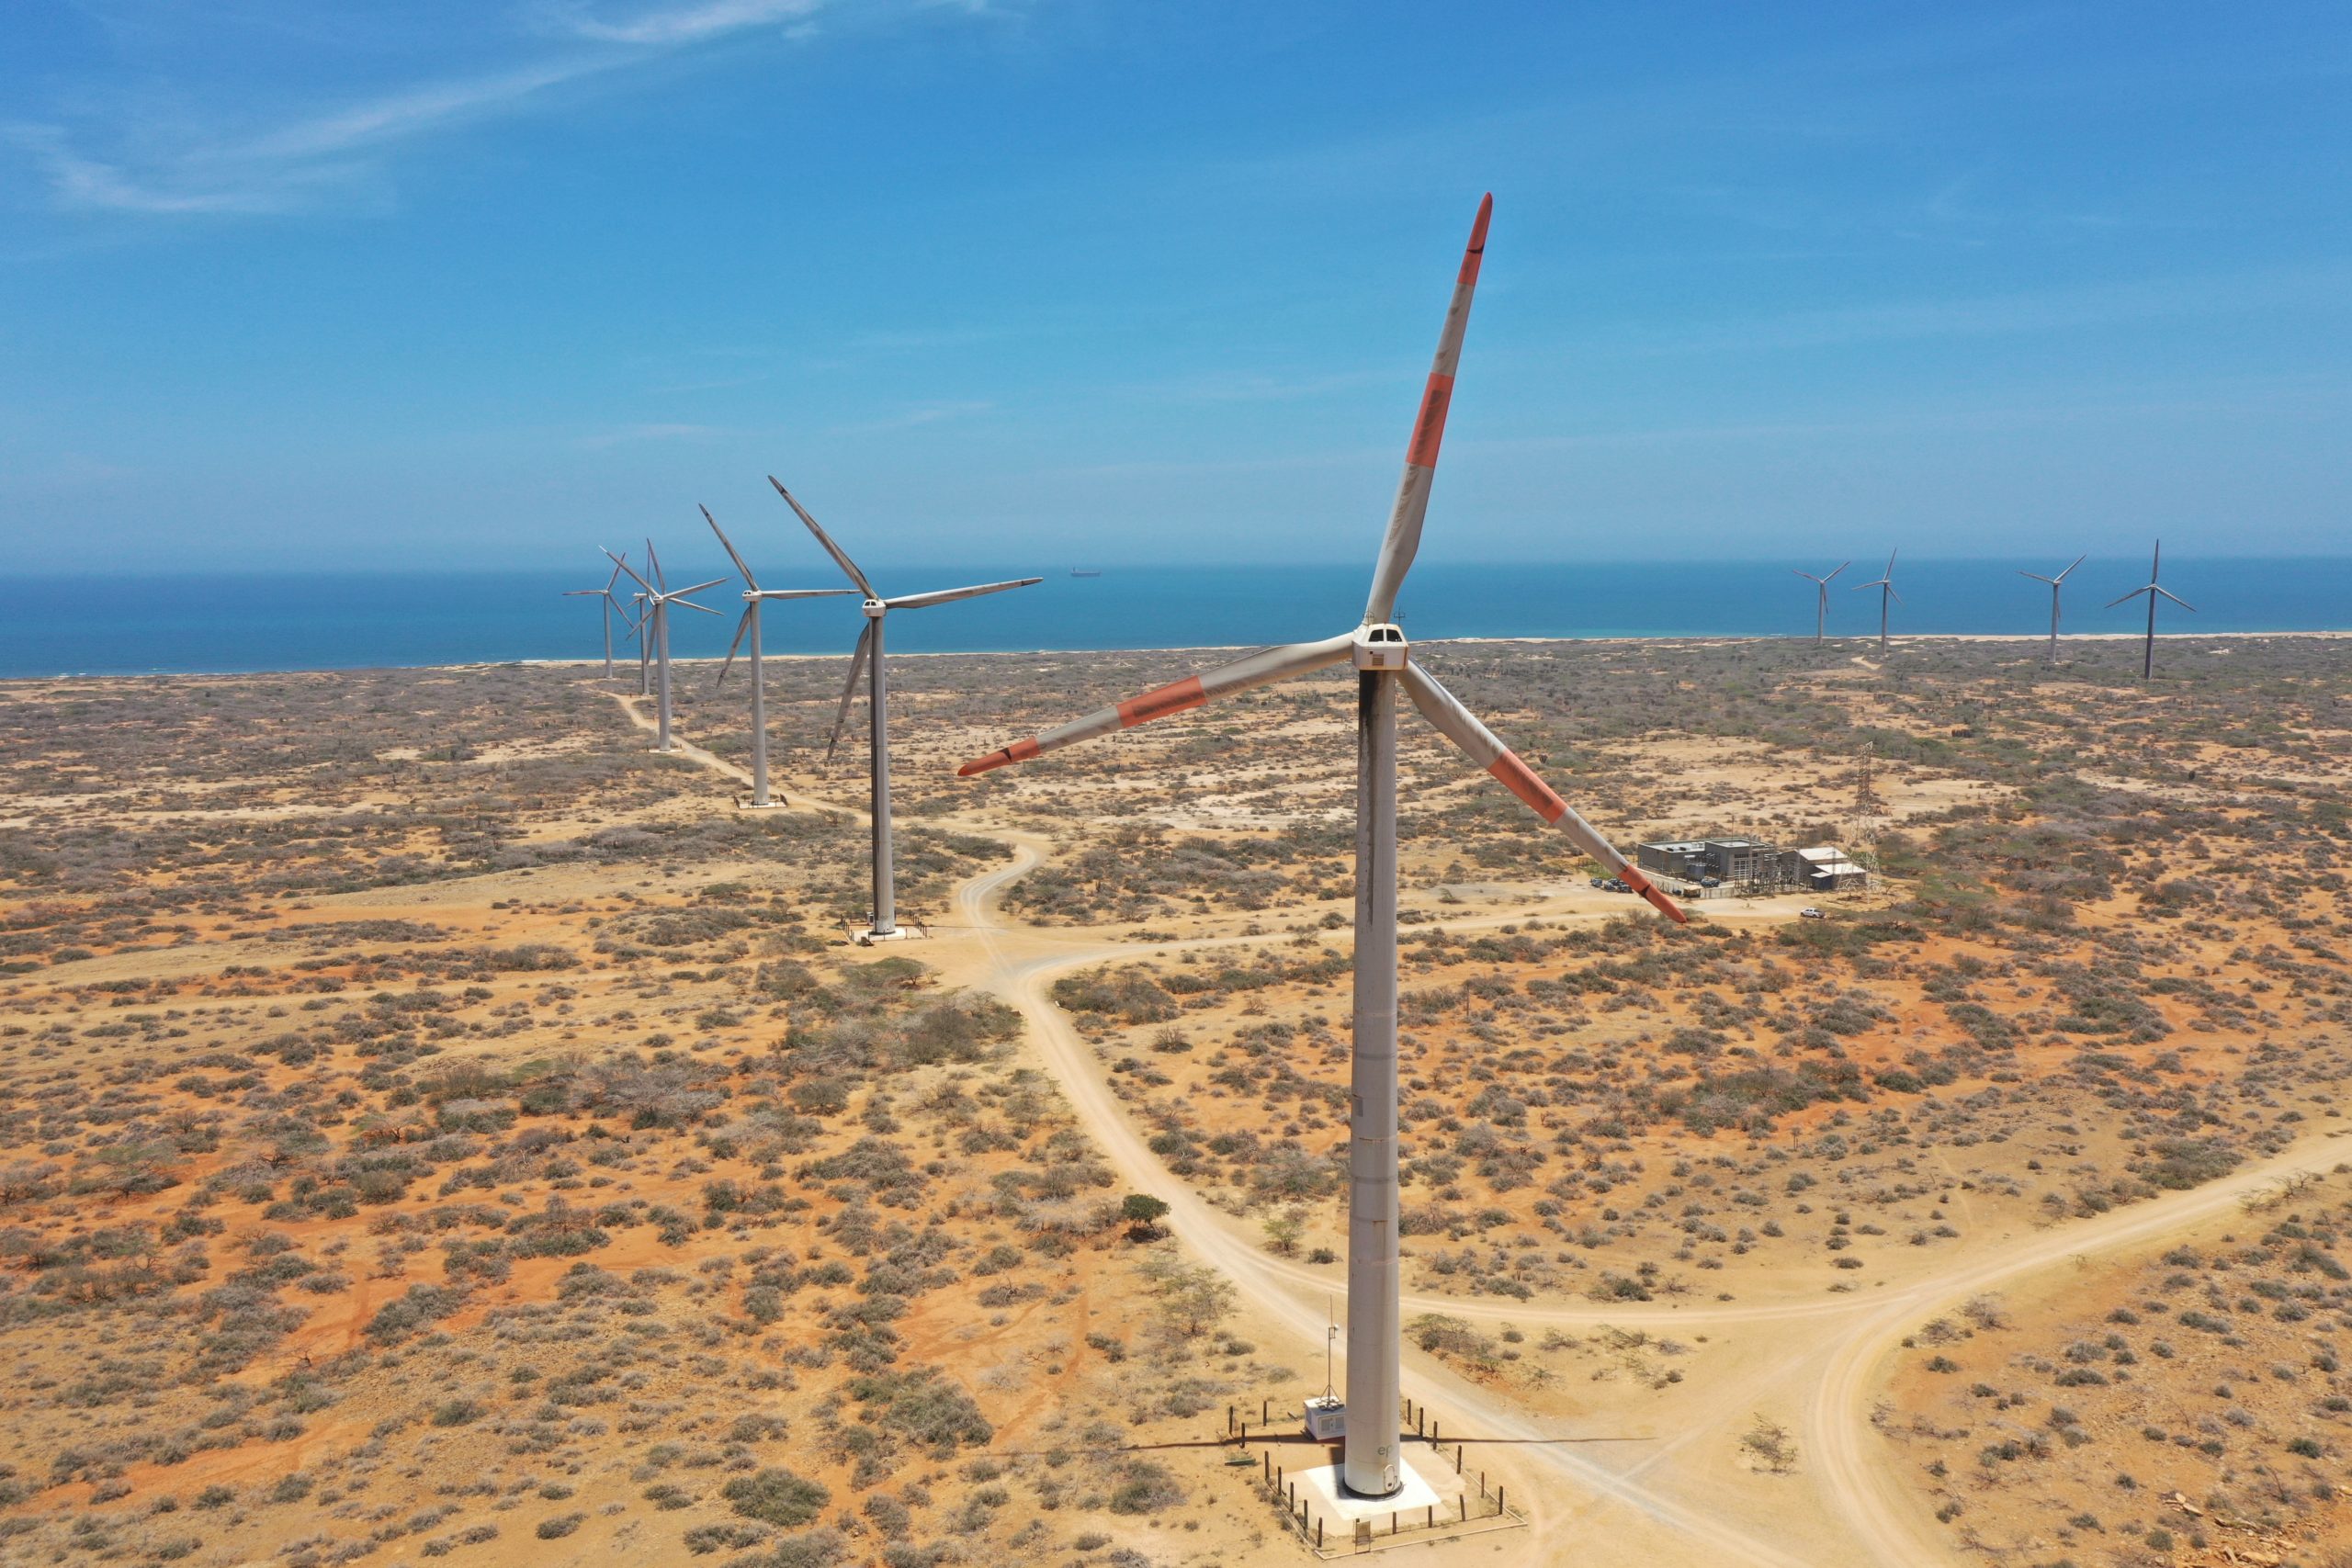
(1720, 867)
(1827, 870)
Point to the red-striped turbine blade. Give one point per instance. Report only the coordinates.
(1262, 668)
(1462, 727)
(1403, 539)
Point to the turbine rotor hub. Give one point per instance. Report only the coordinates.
(874, 609)
(1380, 647)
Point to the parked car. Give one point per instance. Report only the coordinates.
(1710, 882)
(1619, 884)
(1600, 882)
(1811, 914)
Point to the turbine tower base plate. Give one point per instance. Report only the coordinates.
(776, 804)
(1332, 1498)
(867, 939)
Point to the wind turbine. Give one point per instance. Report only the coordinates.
(2148, 653)
(2055, 584)
(885, 925)
(752, 595)
(644, 647)
(1885, 585)
(605, 594)
(655, 627)
(1821, 611)
(1383, 661)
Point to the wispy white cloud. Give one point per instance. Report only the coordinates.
(1254, 387)
(123, 163)
(670, 26)
(924, 413)
(629, 434)
(2074, 306)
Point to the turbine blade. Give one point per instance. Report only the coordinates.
(918, 600)
(2038, 577)
(840, 557)
(1404, 537)
(1259, 668)
(729, 545)
(696, 589)
(2112, 603)
(614, 578)
(800, 594)
(2075, 562)
(1462, 727)
(581, 593)
(690, 605)
(742, 625)
(2174, 597)
(654, 563)
(1806, 575)
(1898, 598)
(623, 565)
(1841, 566)
(849, 691)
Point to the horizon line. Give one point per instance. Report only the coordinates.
(1259, 565)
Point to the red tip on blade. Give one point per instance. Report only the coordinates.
(1664, 905)
(1477, 246)
(1175, 697)
(1429, 429)
(1520, 780)
(1019, 752)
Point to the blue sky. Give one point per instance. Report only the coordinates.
(348, 285)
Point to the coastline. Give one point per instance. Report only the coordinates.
(1861, 647)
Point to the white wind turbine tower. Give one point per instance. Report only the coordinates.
(2148, 650)
(1821, 610)
(1373, 1465)
(605, 594)
(644, 647)
(2055, 584)
(654, 627)
(1884, 583)
(752, 596)
(868, 655)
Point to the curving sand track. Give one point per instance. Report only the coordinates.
(1657, 1499)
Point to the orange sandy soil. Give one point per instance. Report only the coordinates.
(325, 990)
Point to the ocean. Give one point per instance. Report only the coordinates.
(138, 625)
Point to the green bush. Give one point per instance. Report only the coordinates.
(777, 1498)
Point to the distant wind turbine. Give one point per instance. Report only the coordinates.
(1372, 1465)
(885, 924)
(2148, 650)
(656, 630)
(1885, 585)
(644, 645)
(752, 596)
(605, 594)
(2055, 584)
(1821, 610)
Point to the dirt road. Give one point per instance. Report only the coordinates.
(1660, 1501)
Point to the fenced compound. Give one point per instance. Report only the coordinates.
(1472, 1506)
(855, 929)
(1744, 867)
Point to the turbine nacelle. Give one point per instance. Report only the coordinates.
(1380, 647)
(874, 609)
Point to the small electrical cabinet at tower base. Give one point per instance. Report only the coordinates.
(1326, 1418)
